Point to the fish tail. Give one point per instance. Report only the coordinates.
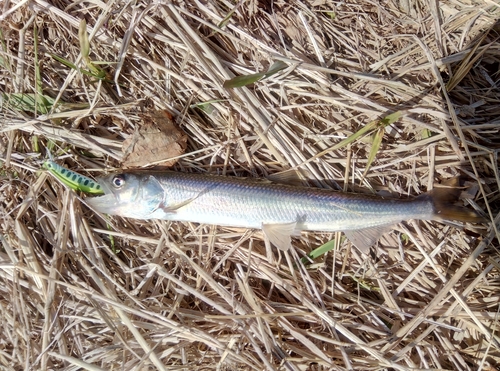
(444, 198)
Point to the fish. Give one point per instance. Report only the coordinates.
(280, 211)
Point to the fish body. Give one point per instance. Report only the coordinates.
(279, 210)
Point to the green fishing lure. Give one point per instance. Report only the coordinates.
(73, 180)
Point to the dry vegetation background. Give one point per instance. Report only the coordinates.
(80, 293)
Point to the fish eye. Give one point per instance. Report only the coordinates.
(118, 181)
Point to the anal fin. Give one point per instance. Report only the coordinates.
(365, 238)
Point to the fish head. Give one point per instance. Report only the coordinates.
(128, 194)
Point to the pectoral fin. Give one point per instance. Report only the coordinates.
(171, 209)
(365, 238)
(280, 234)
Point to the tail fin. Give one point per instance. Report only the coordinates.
(444, 196)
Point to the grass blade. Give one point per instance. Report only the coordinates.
(244, 80)
(84, 41)
(387, 120)
(377, 141)
(323, 249)
(30, 102)
(468, 62)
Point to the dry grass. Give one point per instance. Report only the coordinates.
(77, 293)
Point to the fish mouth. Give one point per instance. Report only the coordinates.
(105, 204)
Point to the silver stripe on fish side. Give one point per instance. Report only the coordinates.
(279, 210)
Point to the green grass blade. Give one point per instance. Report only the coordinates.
(323, 249)
(112, 239)
(83, 37)
(64, 61)
(350, 139)
(390, 119)
(239, 81)
(382, 123)
(100, 74)
(377, 141)
(207, 106)
(275, 68)
(38, 77)
(27, 102)
(31, 102)
(243, 80)
(41, 102)
(426, 133)
(227, 18)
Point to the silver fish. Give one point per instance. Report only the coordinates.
(279, 210)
